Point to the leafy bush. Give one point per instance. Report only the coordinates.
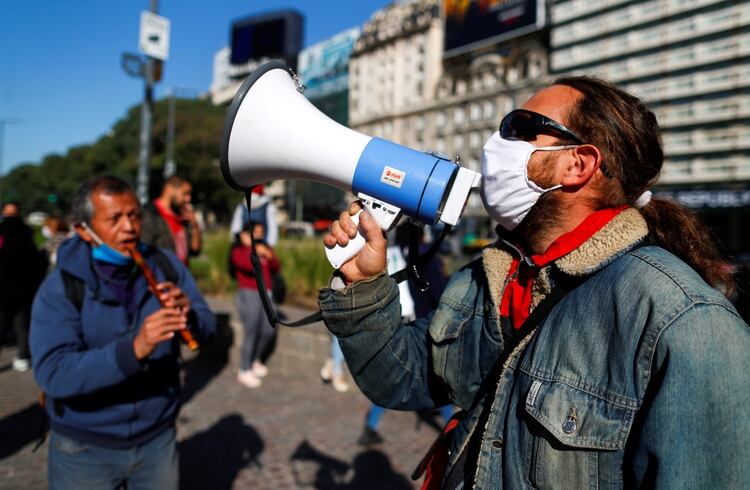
(210, 268)
(303, 265)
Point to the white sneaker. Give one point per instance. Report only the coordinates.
(259, 369)
(21, 365)
(249, 379)
(326, 372)
(339, 384)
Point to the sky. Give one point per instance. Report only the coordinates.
(60, 73)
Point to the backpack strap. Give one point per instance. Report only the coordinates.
(74, 287)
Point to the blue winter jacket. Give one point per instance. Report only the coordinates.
(96, 390)
(638, 378)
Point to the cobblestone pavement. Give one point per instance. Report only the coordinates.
(290, 433)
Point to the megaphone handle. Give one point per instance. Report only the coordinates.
(339, 255)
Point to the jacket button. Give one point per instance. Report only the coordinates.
(569, 426)
(497, 443)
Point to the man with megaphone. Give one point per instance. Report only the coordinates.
(587, 348)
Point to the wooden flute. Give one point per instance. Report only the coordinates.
(187, 337)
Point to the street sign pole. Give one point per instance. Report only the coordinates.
(170, 167)
(154, 43)
(144, 155)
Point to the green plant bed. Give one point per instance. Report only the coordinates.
(303, 265)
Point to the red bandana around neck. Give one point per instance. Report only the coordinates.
(516, 301)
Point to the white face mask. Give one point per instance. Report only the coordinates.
(507, 192)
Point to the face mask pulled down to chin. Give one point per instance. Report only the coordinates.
(507, 193)
(104, 253)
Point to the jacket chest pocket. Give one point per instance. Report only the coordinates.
(574, 439)
(447, 355)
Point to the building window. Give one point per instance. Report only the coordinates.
(458, 143)
(475, 140)
(475, 113)
(489, 110)
(440, 119)
(459, 116)
(507, 105)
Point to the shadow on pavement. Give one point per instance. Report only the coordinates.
(211, 359)
(19, 429)
(213, 458)
(370, 469)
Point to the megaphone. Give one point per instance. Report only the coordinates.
(273, 132)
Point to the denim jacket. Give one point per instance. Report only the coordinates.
(639, 377)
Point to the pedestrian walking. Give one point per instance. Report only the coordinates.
(21, 271)
(258, 332)
(55, 230)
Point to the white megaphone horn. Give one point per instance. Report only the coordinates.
(273, 132)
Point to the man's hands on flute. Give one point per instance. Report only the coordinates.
(162, 324)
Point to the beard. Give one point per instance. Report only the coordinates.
(545, 213)
(175, 205)
(547, 210)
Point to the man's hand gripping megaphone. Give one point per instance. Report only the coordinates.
(371, 259)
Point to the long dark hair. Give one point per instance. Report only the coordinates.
(627, 134)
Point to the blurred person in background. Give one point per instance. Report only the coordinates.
(591, 345)
(106, 351)
(55, 230)
(21, 272)
(263, 212)
(258, 332)
(169, 221)
(333, 371)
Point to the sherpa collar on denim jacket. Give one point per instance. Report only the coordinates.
(616, 237)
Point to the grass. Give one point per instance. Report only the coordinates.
(303, 265)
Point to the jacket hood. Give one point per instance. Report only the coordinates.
(74, 257)
(616, 237)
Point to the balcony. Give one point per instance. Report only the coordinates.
(625, 18)
(636, 41)
(693, 84)
(704, 112)
(701, 54)
(705, 170)
(702, 140)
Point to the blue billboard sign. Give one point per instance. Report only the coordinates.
(324, 67)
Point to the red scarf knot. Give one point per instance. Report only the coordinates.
(516, 300)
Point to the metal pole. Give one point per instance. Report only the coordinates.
(146, 116)
(170, 167)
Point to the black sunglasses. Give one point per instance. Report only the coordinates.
(521, 123)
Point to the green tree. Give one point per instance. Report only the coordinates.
(49, 185)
